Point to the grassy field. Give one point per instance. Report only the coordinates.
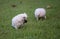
(46, 29)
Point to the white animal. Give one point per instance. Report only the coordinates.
(40, 13)
(19, 20)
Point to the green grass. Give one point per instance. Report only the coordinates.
(47, 29)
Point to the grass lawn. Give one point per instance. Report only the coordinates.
(46, 29)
